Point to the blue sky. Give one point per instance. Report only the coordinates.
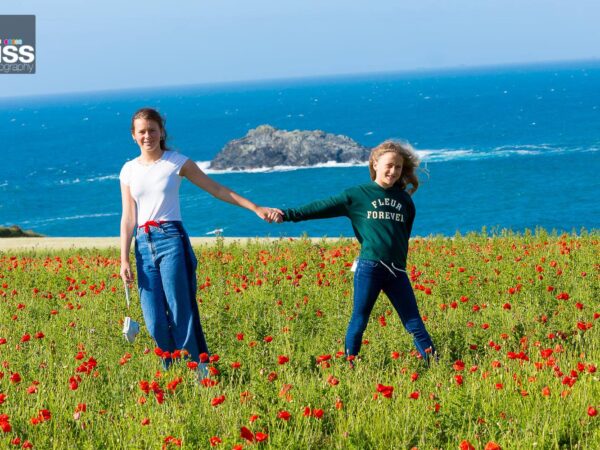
(90, 46)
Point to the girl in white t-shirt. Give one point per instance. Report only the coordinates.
(166, 263)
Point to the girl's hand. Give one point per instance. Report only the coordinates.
(270, 214)
(126, 273)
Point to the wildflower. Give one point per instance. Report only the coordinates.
(260, 437)
(546, 391)
(492, 446)
(246, 434)
(466, 445)
(386, 391)
(333, 381)
(284, 415)
(458, 365)
(217, 400)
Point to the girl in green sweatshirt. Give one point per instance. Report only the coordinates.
(382, 214)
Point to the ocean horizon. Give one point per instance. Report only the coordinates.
(503, 147)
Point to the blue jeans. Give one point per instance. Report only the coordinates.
(166, 267)
(370, 278)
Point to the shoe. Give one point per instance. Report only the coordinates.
(202, 371)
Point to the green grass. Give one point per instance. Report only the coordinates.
(300, 294)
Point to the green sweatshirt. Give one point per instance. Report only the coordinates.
(382, 219)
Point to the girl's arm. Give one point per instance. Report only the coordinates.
(411, 217)
(192, 172)
(321, 209)
(128, 223)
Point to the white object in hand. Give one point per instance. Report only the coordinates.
(130, 329)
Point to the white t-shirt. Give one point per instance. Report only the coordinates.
(155, 187)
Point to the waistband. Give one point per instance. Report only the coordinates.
(152, 223)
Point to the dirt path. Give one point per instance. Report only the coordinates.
(55, 243)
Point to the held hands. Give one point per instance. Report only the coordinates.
(270, 214)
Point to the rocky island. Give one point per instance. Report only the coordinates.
(266, 146)
(15, 231)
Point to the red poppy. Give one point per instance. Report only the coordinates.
(15, 378)
(260, 437)
(546, 391)
(592, 412)
(217, 400)
(386, 391)
(323, 358)
(284, 415)
(246, 434)
(466, 445)
(458, 365)
(215, 440)
(333, 380)
(282, 359)
(492, 446)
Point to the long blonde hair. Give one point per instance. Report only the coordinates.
(409, 158)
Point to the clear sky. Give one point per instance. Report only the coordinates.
(115, 44)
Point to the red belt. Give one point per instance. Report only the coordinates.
(151, 223)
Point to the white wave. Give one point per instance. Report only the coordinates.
(426, 155)
(78, 217)
(103, 178)
(4, 183)
(216, 232)
(67, 182)
(205, 167)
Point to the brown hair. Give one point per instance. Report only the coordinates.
(409, 158)
(154, 115)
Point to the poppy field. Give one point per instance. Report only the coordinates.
(514, 319)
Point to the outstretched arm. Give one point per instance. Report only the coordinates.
(192, 172)
(321, 209)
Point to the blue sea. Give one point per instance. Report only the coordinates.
(513, 147)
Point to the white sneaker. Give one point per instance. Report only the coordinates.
(202, 371)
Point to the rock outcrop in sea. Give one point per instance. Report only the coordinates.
(15, 231)
(266, 146)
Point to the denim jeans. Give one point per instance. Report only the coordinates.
(370, 278)
(166, 267)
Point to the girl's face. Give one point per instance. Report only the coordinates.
(147, 134)
(388, 169)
